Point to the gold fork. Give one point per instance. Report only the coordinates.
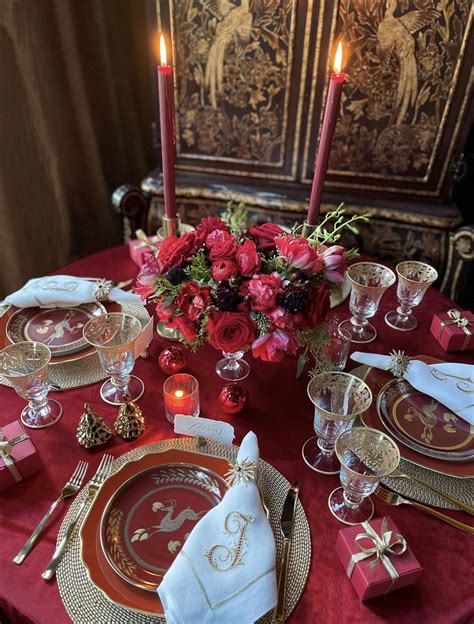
(100, 476)
(397, 474)
(72, 487)
(395, 499)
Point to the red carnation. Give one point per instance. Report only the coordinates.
(265, 234)
(192, 300)
(247, 258)
(223, 270)
(262, 291)
(231, 331)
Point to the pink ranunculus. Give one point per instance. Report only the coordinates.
(223, 270)
(264, 235)
(218, 236)
(272, 347)
(334, 259)
(300, 254)
(281, 319)
(146, 279)
(247, 258)
(262, 291)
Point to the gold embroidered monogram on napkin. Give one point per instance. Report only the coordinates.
(223, 558)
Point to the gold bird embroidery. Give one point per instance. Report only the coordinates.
(234, 22)
(395, 35)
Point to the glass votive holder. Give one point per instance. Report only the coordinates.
(181, 395)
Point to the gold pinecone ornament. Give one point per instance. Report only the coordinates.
(130, 422)
(92, 429)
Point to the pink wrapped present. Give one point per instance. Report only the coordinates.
(454, 330)
(376, 558)
(18, 456)
(139, 247)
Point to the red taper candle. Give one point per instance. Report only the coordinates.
(336, 82)
(168, 131)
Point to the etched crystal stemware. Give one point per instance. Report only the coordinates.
(369, 281)
(25, 365)
(338, 398)
(366, 456)
(414, 279)
(113, 335)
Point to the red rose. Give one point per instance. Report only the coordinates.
(273, 346)
(186, 327)
(247, 258)
(319, 305)
(209, 224)
(265, 234)
(262, 291)
(192, 300)
(174, 251)
(231, 331)
(300, 254)
(223, 247)
(223, 270)
(146, 279)
(281, 319)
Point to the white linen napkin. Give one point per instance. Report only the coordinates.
(225, 572)
(62, 291)
(449, 383)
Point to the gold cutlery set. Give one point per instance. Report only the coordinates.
(71, 488)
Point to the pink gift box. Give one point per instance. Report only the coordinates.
(22, 459)
(367, 581)
(454, 330)
(138, 249)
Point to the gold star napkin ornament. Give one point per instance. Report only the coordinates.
(399, 363)
(242, 472)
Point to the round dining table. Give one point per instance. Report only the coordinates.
(281, 415)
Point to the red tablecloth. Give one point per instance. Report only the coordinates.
(281, 416)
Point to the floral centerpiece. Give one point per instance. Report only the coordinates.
(242, 288)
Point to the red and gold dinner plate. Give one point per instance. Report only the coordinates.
(61, 329)
(427, 433)
(158, 491)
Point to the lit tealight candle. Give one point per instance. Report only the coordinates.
(181, 395)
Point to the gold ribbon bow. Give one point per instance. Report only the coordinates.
(146, 241)
(383, 548)
(5, 452)
(460, 321)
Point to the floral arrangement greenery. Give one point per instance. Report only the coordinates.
(257, 288)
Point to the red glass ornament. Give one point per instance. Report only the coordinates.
(172, 360)
(233, 398)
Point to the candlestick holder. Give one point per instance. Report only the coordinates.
(173, 227)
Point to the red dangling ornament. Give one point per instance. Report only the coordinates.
(172, 360)
(233, 398)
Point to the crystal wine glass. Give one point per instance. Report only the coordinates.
(232, 367)
(366, 457)
(414, 279)
(369, 281)
(113, 335)
(25, 365)
(338, 398)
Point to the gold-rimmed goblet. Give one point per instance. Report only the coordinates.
(25, 365)
(369, 281)
(414, 279)
(113, 335)
(366, 456)
(337, 398)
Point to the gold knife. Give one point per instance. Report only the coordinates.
(287, 522)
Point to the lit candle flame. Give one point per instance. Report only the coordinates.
(338, 59)
(162, 50)
(179, 394)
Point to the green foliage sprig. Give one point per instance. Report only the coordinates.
(235, 216)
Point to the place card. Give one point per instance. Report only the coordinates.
(204, 427)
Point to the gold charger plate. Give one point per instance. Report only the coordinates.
(85, 603)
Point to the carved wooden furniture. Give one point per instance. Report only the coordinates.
(250, 87)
